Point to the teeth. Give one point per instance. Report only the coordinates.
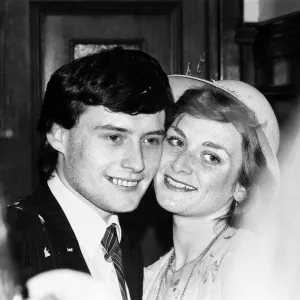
(123, 182)
(179, 185)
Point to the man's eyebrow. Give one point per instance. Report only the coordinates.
(112, 128)
(179, 131)
(156, 132)
(215, 146)
(124, 130)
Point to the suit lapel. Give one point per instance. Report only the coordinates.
(61, 237)
(133, 270)
(65, 249)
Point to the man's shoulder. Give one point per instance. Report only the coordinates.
(30, 232)
(27, 211)
(35, 198)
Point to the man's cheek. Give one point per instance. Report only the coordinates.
(155, 157)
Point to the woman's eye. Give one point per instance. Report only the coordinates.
(212, 158)
(175, 142)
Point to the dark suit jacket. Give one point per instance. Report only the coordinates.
(42, 239)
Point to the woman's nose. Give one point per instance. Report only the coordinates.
(182, 163)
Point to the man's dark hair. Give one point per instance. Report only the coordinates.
(127, 81)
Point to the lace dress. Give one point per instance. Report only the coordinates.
(206, 282)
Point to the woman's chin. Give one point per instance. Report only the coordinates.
(170, 204)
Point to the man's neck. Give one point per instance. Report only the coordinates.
(104, 214)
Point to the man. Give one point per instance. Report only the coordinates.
(102, 126)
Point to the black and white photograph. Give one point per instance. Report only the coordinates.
(149, 149)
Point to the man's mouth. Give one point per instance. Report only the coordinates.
(178, 186)
(122, 182)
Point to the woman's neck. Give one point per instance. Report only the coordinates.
(191, 236)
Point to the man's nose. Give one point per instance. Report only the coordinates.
(134, 159)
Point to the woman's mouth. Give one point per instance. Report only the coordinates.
(178, 186)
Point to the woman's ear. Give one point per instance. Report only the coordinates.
(240, 193)
(57, 138)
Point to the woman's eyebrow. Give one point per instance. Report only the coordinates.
(215, 146)
(179, 131)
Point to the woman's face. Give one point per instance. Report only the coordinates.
(199, 168)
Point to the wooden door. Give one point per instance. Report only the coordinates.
(62, 35)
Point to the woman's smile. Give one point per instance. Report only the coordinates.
(178, 186)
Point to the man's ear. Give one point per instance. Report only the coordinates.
(240, 193)
(57, 138)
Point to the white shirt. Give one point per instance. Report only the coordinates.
(89, 229)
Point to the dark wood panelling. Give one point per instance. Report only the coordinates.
(213, 40)
(276, 51)
(172, 8)
(277, 61)
(223, 55)
(271, 62)
(277, 57)
(245, 37)
(2, 93)
(15, 155)
(231, 14)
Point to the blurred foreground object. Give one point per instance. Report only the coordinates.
(270, 269)
(67, 285)
(8, 278)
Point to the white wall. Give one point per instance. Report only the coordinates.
(262, 10)
(251, 10)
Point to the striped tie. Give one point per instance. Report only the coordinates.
(112, 250)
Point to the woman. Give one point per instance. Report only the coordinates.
(223, 135)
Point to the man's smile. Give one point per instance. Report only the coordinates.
(123, 182)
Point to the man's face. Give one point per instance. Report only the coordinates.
(110, 158)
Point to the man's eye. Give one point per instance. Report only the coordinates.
(175, 142)
(212, 158)
(114, 138)
(153, 141)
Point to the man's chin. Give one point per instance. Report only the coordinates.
(129, 207)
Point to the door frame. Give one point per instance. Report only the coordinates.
(39, 10)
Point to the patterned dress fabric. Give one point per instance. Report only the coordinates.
(207, 280)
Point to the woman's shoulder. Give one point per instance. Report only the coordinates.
(235, 246)
(223, 255)
(240, 261)
(235, 241)
(239, 238)
(232, 240)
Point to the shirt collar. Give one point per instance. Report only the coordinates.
(83, 216)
